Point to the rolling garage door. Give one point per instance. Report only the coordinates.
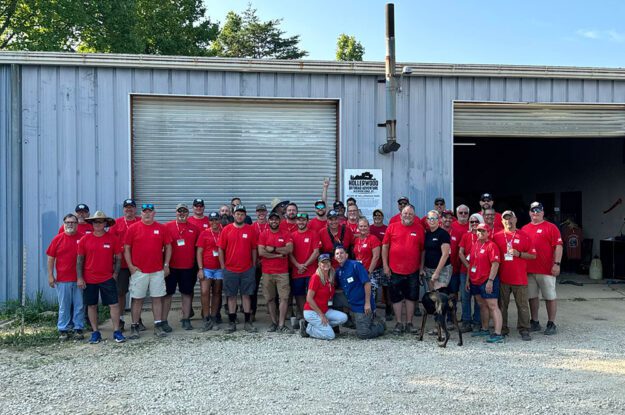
(258, 150)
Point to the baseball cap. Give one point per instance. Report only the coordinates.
(333, 214)
(198, 202)
(80, 207)
(274, 214)
(378, 211)
(213, 216)
(486, 196)
(537, 206)
(302, 215)
(260, 208)
(447, 212)
(508, 213)
(319, 203)
(240, 208)
(338, 204)
(182, 206)
(147, 206)
(403, 198)
(439, 200)
(483, 226)
(323, 257)
(129, 202)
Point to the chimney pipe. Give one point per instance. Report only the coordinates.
(391, 84)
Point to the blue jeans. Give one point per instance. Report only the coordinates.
(319, 331)
(466, 304)
(69, 295)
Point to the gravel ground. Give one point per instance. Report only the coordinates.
(581, 370)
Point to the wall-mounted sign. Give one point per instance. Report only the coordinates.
(364, 185)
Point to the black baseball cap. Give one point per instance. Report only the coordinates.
(439, 200)
(486, 196)
(537, 206)
(240, 208)
(338, 204)
(274, 214)
(319, 203)
(81, 206)
(129, 202)
(333, 214)
(198, 202)
(403, 198)
(213, 216)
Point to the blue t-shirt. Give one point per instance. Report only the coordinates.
(352, 277)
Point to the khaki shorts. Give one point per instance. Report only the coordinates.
(141, 284)
(276, 284)
(443, 278)
(545, 284)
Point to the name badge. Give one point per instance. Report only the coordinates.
(156, 232)
(87, 231)
(215, 253)
(244, 236)
(180, 242)
(453, 238)
(350, 279)
(468, 257)
(508, 257)
(482, 251)
(381, 233)
(474, 269)
(516, 241)
(539, 231)
(205, 225)
(306, 240)
(434, 239)
(107, 246)
(364, 245)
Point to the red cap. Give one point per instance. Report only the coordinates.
(448, 212)
(483, 226)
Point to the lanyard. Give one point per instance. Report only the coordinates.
(509, 243)
(179, 231)
(214, 237)
(474, 252)
(359, 244)
(264, 228)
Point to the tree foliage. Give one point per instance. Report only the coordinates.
(348, 48)
(246, 36)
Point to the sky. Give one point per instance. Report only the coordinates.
(530, 32)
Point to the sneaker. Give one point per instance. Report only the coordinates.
(122, 325)
(535, 326)
(302, 328)
(525, 336)
(186, 324)
(495, 338)
(286, 330)
(411, 329)
(96, 337)
(232, 327)
(272, 328)
(480, 333)
(349, 324)
(208, 324)
(505, 331)
(466, 328)
(158, 330)
(551, 329)
(399, 329)
(249, 327)
(141, 326)
(166, 327)
(79, 335)
(134, 331)
(63, 336)
(118, 336)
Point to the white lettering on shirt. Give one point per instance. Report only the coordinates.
(413, 234)
(156, 232)
(280, 240)
(539, 231)
(482, 251)
(107, 246)
(244, 236)
(306, 240)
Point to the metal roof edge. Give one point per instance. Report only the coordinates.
(303, 66)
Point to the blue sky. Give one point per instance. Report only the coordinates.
(568, 33)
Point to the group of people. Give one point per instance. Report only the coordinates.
(332, 266)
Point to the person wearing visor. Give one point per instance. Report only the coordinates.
(483, 283)
(488, 202)
(464, 255)
(143, 248)
(210, 271)
(62, 253)
(402, 202)
(320, 221)
(542, 272)
(319, 317)
(198, 219)
(82, 213)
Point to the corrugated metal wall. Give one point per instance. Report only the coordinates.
(75, 123)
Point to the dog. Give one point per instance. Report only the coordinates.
(440, 305)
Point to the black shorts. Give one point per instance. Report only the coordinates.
(184, 279)
(404, 287)
(106, 290)
(239, 282)
(123, 279)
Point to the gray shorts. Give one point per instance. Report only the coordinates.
(443, 278)
(239, 282)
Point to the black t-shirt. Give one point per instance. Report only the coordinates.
(432, 246)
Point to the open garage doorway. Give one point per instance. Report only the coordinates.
(570, 158)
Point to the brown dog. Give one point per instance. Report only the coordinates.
(440, 305)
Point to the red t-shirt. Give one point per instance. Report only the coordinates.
(83, 228)
(304, 244)
(513, 272)
(545, 237)
(238, 244)
(98, 252)
(183, 238)
(482, 257)
(288, 227)
(327, 245)
(201, 224)
(64, 248)
(405, 244)
(456, 233)
(260, 227)
(396, 218)
(323, 293)
(378, 231)
(316, 224)
(209, 242)
(277, 239)
(467, 241)
(342, 219)
(119, 230)
(363, 250)
(497, 224)
(354, 228)
(146, 245)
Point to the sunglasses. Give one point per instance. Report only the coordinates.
(320, 206)
(536, 210)
(474, 221)
(432, 218)
(147, 206)
(481, 231)
(402, 203)
(463, 213)
(302, 215)
(182, 211)
(487, 200)
(439, 204)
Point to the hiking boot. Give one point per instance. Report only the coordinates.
(158, 330)
(285, 330)
(480, 333)
(411, 329)
(186, 324)
(399, 329)
(96, 337)
(505, 331)
(79, 335)
(191, 314)
(551, 329)
(218, 319)
(141, 326)
(302, 328)
(122, 325)
(535, 326)
(208, 324)
(349, 324)
(166, 327)
(495, 338)
(417, 311)
(118, 336)
(134, 331)
(525, 335)
(249, 327)
(466, 328)
(63, 336)
(232, 327)
(272, 328)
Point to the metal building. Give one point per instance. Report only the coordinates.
(98, 128)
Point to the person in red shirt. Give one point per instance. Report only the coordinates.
(542, 272)
(210, 271)
(237, 251)
(143, 248)
(515, 247)
(353, 214)
(260, 226)
(439, 207)
(123, 279)
(274, 247)
(469, 321)
(401, 258)
(378, 228)
(402, 202)
(82, 212)
(306, 245)
(484, 283)
(490, 218)
(335, 234)
(321, 220)
(198, 219)
(97, 266)
(182, 266)
(289, 224)
(319, 317)
(339, 208)
(62, 253)
(487, 202)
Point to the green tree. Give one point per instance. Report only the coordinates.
(245, 36)
(348, 48)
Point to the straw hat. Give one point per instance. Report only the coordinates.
(99, 215)
(278, 202)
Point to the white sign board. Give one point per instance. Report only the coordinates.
(364, 185)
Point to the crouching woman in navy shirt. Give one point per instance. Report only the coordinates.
(354, 280)
(319, 318)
